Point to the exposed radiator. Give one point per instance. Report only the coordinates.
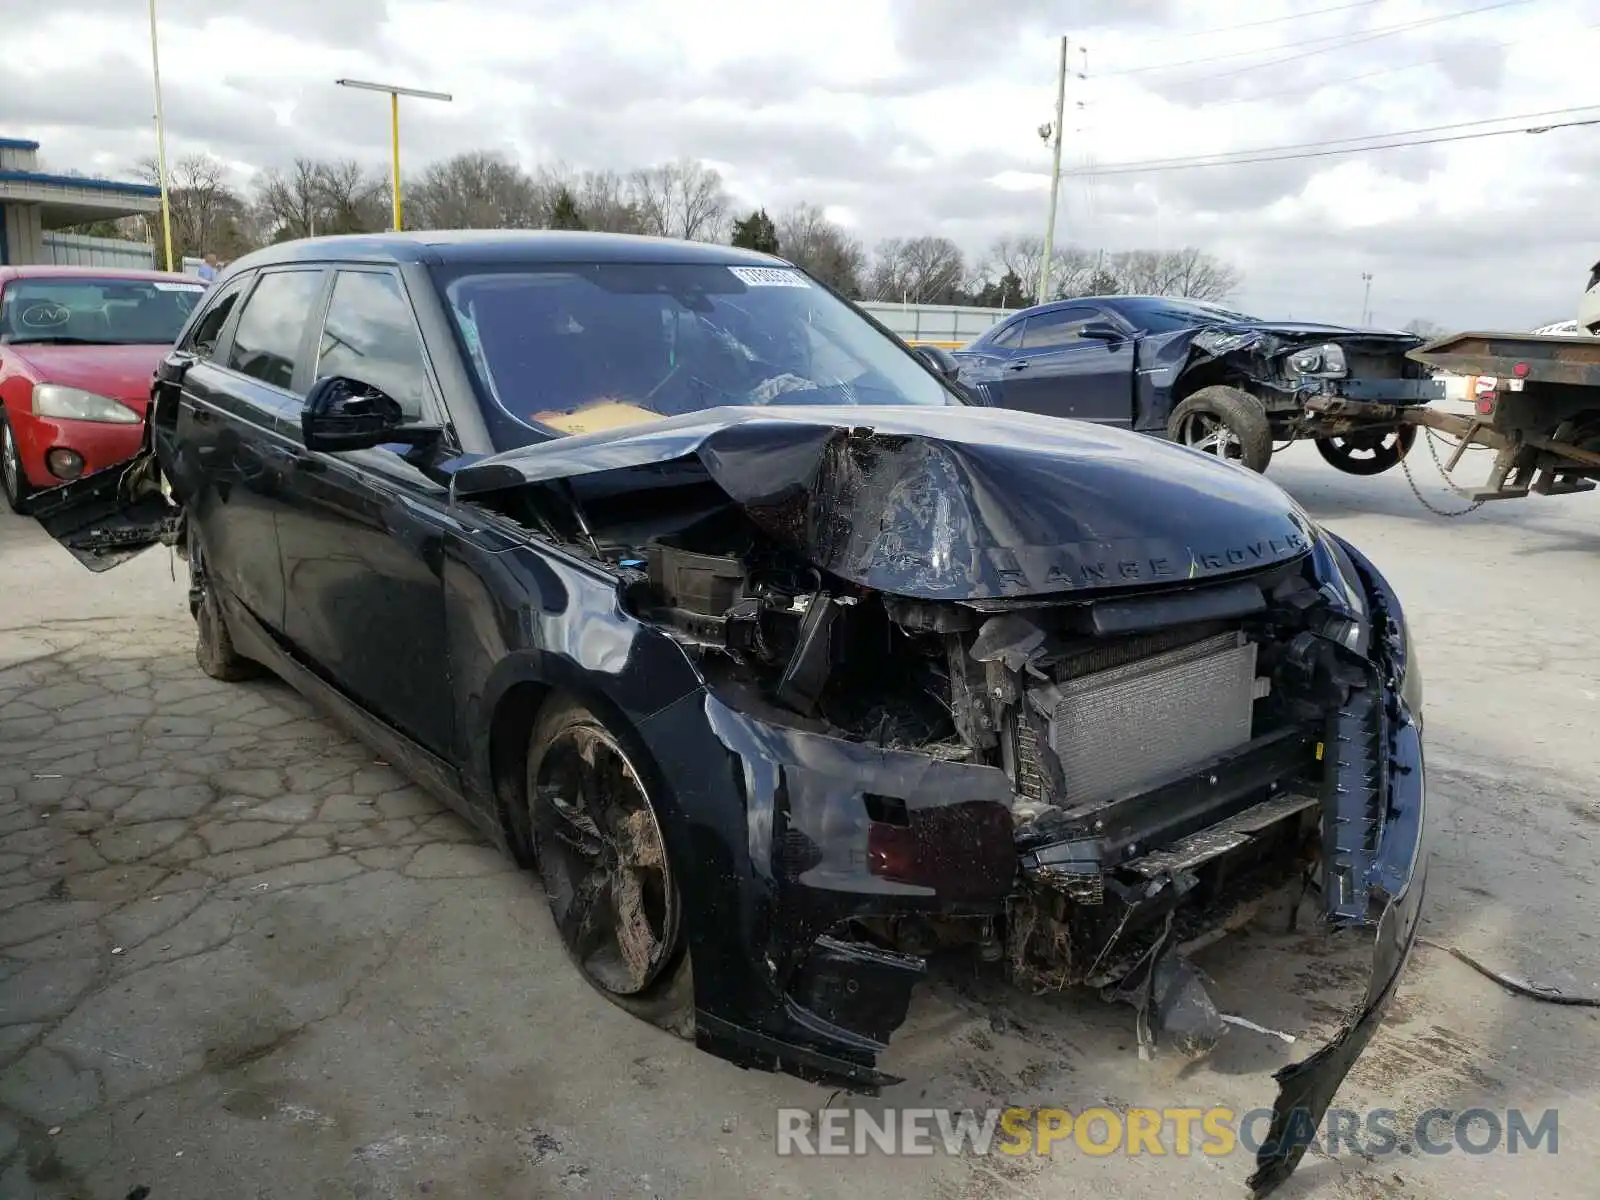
(1119, 730)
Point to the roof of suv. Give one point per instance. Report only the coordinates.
(503, 246)
(52, 271)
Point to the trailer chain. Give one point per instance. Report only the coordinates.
(1405, 465)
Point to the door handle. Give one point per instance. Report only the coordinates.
(1017, 366)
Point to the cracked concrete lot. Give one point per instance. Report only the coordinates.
(241, 958)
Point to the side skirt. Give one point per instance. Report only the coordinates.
(422, 766)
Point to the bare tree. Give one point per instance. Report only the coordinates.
(919, 270)
(289, 202)
(1072, 271)
(476, 190)
(683, 199)
(1424, 328)
(816, 244)
(1189, 272)
(602, 198)
(353, 198)
(1200, 276)
(207, 212)
(314, 198)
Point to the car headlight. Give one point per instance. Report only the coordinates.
(1411, 680)
(1325, 361)
(75, 404)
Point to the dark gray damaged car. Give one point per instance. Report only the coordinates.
(780, 664)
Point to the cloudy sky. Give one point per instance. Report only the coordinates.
(904, 117)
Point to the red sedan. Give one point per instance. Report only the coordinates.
(78, 347)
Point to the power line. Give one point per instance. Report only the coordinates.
(1478, 48)
(1240, 162)
(1338, 41)
(1223, 157)
(1299, 16)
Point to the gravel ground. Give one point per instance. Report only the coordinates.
(240, 958)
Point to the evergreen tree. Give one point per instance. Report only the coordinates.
(564, 212)
(756, 232)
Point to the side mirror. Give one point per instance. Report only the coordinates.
(346, 414)
(1101, 331)
(941, 361)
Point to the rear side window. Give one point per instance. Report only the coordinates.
(202, 339)
(267, 338)
(370, 335)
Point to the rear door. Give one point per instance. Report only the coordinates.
(363, 536)
(236, 427)
(1057, 372)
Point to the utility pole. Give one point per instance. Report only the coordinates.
(1055, 177)
(1366, 299)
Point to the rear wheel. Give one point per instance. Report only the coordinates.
(1224, 421)
(213, 645)
(598, 850)
(1368, 452)
(13, 481)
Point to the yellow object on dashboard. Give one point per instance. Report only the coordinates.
(606, 414)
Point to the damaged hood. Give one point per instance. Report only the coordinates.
(948, 503)
(1268, 337)
(1300, 329)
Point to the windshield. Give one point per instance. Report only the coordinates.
(1164, 316)
(572, 348)
(98, 312)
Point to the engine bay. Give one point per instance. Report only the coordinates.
(1164, 746)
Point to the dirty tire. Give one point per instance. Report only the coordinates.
(599, 853)
(1368, 453)
(13, 482)
(213, 644)
(1226, 422)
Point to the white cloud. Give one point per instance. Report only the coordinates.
(905, 116)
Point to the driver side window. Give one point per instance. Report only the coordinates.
(370, 335)
(1054, 330)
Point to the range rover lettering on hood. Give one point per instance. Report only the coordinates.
(948, 504)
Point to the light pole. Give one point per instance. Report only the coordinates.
(161, 139)
(394, 124)
(1366, 299)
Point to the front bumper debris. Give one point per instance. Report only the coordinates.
(817, 836)
(106, 518)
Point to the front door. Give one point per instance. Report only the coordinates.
(363, 536)
(1059, 373)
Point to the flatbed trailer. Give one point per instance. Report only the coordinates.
(1542, 419)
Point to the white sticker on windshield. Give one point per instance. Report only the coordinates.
(769, 277)
(178, 287)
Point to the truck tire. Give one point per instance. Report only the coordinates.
(1224, 421)
(1369, 452)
